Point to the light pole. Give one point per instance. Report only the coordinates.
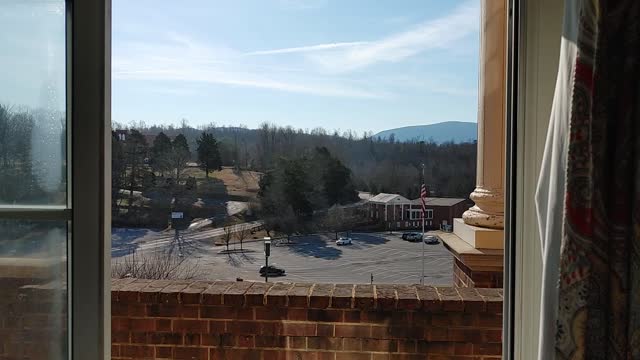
(267, 252)
(423, 217)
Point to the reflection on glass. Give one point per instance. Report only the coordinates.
(32, 102)
(33, 276)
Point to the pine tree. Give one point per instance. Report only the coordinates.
(160, 153)
(136, 150)
(208, 153)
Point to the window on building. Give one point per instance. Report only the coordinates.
(35, 221)
(187, 173)
(234, 137)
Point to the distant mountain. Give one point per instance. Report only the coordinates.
(456, 131)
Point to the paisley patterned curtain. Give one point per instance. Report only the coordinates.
(599, 287)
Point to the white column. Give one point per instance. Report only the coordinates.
(488, 211)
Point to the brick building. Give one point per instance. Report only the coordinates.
(397, 212)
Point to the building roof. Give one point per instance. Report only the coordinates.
(384, 198)
(438, 201)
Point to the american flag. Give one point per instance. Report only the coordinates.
(423, 198)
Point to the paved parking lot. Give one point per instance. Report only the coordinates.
(316, 258)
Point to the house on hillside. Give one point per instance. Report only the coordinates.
(121, 134)
(397, 212)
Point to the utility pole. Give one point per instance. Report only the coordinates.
(267, 252)
(423, 217)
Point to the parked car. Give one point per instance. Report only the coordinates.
(271, 270)
(412, 236)
(344, 241)
(431, 240)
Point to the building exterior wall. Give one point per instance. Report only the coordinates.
(463, 276)
(211, 320)
(398, 216)
(244, 320)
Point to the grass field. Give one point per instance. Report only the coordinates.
(243, 183)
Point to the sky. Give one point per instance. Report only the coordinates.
(339, 64)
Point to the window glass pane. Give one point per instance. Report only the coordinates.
(32, 102)
(33, 276)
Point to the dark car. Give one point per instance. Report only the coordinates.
(412, 236)
(271, 270)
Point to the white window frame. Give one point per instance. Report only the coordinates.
(428, 214)
(534, 38)
(416, 214)
(90, 66)
(88, 72)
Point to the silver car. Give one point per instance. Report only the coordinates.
(431, 240)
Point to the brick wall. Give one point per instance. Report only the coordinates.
(463, 276)
(244, 320)
(33, 310)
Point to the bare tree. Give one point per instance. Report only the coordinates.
(156, 266)
(227, 235)
(241, 233)
(336, 220)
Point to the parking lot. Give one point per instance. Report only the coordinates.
(316, 258)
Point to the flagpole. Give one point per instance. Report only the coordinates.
(422, 238)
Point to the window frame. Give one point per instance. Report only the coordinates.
(90, 283)
(514, 73)
(88, 209)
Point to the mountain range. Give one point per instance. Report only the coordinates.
(455, 131)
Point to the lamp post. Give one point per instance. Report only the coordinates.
(422, 237)
(267, 252)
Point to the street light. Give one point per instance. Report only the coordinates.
(267, 252)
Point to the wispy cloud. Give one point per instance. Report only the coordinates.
(317, 69)
(444, 32)
(310, 48)
(180, 58)
(301, 4)
(340, 57)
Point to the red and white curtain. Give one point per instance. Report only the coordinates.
(589, 213)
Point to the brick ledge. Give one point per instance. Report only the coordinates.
(476, 259)
(315, 296)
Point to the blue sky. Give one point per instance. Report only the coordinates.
(359, 65)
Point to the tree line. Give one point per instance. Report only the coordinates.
(377, 165)
(296, 189)
(156, 169)
(32, 156)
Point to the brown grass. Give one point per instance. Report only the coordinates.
(244, 183)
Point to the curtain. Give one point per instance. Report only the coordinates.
(598, 303)
(551, 182)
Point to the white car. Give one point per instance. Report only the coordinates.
(344, 241)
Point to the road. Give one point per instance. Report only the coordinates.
(126, 241)
(316, 258)
(233, 208)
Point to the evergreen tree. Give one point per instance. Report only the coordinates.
(160, 153)
(208, 153)
(136, 150)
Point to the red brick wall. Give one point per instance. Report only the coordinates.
(463, 276)
(32, 313)
(244, 320)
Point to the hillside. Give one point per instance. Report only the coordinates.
(456, 131)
